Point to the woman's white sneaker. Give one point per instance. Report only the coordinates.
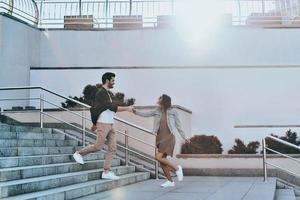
(179, 173)
(78, 158)
(168, 184)
(109, 175)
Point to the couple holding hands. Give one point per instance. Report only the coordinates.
(166, 121)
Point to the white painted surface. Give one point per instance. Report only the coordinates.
(19, 50)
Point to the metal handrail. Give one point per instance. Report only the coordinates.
(28, 10)
(265, 163)
(264, 147)
(83, 128)
(283, 142)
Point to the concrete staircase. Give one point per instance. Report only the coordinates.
(286, 191)
(37, 164)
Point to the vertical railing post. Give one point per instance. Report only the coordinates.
(80, 4)
(11, 7)
(126, 148)
(156, 166)
(83, 127)
(106, 13)
(263, 7)
(240, 15)
(173, 7)
(41, 12)
(264, 159)
(130, 7)
(41, 110)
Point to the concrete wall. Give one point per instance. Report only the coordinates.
(226, 47)
(19, 50)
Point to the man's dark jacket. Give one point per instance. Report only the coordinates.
(102, 102)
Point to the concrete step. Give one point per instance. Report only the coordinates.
(82, 189)
(32, 136)
(285, 194)
(29, 151)
(36, 143)
(16, 187)
(6, 127)
(15, 173)
(7, 162)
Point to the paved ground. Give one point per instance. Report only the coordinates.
(194, 188)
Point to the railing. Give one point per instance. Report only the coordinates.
(25, 10)
(52, 12)
(265, 162)
(265, 148)
(265, 12)
(83, 128)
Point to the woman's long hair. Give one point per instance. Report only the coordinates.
(166, 102)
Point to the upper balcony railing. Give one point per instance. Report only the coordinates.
(266, 13)
(92, 13)
(25, 10)
(89, 14)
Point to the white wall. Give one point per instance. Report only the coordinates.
(219, 98)
(19, 50)
(225, 47)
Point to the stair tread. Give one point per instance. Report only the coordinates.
(34, 156)
(69, 187)
(42, 178)
(285, 194)
(47, 165)
(40, 147)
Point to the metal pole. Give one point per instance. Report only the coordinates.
(11, 7)
(126, 148)
(264, 159)
(80, 7)
(83, 127)
(263, 6)
(41, 110)
(156, 167)
(130, 7)
(173, 7)
(41, 12)
(106, 13)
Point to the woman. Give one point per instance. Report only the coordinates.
(165, 121)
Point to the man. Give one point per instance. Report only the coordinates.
(103, 120)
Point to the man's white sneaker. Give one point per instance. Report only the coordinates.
(179, 173)
(78, 158)
(110, 175)
(168, 184)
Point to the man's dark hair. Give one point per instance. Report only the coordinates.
(107, 76)
(166, 101)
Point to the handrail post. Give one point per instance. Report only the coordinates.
(11, 7)
(156, 166)
(130, 7)
(83, 127)
(126, 148)
(41, 110)
(264, 159)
